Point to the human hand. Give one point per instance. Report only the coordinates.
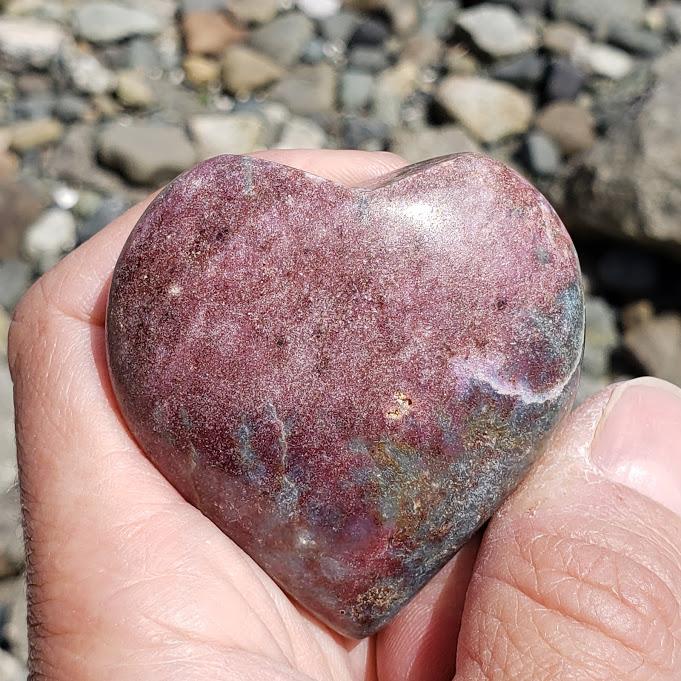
(578, 576)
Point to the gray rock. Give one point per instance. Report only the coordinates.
(634, 39)
(497, 30)
(315, 51)
(107, 211)
(372, 59)
(439, 18)
(340, 27)
(237, 133)
(672, 14)
(145, 153)
(11, 669)
(365, 133)
(86, 72)
(24, 40)
(49, 238)
(105, 22)
(490, 111)
(15, 278)
(8, 458)
(565, 80)
(71, 108)
(143, 55)
(302, 133)
(11, 538)
(247, 11)
(424, 143)
(632, 189)
(40, 106)
(73, 161)
(656, 346)
(285, 38)
(601, 337)
(541, 154)
(527, 70)
(356, 90)
(599, 14)
(245, 70)
(14, 630)
(307, 89)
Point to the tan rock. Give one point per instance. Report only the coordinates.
(133, 90)
(209, 32)
(656, 345)
(569, 125)
(201, 71)
(38, 133)
(256, 11)
(245, 70)
(488, 109)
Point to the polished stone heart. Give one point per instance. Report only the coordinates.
(347, 382)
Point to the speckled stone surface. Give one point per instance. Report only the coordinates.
(348, 382)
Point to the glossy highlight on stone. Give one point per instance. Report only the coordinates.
(347, 382)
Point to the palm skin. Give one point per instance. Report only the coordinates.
(127, 581)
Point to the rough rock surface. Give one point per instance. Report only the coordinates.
(372, 369)
(634, 190)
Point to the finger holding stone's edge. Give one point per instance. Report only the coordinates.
(77, 284)
(579, 574)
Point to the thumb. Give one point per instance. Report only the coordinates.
(579, 575)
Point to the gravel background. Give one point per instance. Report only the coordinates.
(102, 101)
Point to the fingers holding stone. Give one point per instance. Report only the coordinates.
(579, 574)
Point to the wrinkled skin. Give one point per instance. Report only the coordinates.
(347, 381)
(577, 576)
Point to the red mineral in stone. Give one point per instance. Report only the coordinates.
(348, 382)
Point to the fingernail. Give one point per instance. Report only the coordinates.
(638, 440)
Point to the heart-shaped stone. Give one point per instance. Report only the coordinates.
(347, 382)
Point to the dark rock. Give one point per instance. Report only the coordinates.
(527, 70)
(565, 80)
(370, 32)
(629, 273)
